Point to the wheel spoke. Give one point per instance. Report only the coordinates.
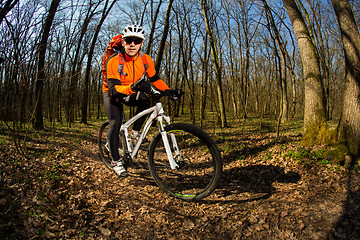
(198, 158)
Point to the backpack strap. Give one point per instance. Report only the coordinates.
(145, 61)
(121, 62)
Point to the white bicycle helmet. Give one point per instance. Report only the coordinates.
(133, 31)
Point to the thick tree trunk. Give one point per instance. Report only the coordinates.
(349, 128)
(314, 115)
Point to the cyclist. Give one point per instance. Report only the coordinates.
(125, 74)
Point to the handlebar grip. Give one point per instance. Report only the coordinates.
(174, 94)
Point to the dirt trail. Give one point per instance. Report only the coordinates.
(68, 193)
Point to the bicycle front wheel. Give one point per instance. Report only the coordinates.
(198, 158)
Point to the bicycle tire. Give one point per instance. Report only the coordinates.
(200, 172)
(104, 151)
(104, 148)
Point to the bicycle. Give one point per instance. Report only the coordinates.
(184, 161)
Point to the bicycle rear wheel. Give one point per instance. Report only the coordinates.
(200, 163)
(104, 148)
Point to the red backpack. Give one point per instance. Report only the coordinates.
(115, 46)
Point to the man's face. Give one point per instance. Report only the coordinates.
(132, 45)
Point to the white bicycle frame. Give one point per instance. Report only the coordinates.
(156, 111)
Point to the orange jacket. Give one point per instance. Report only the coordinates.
(133, 69)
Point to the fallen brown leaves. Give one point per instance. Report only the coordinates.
(61, 190)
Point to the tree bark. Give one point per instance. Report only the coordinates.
(164, 36)
(77, 64)
(232, 63)
(9, 4)
(349, 128)
(185, 48)
(314, 115)
(279, 42)
(84, 106)
(152, 31)
(39, 122)
(217, 64)
(204, 82)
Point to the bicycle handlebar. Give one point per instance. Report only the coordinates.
(172, 94)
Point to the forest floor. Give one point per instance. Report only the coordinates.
(272, 188)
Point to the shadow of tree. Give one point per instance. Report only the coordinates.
(348, 226)
(252, 146)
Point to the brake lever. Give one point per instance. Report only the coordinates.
(154, 91)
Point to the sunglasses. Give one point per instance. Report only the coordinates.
(134, 40)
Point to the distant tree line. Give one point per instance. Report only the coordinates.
(282, 59)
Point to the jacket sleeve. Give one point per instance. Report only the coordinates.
(153, 77)
(116, 87)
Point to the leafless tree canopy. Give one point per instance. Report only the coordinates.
(233, 58)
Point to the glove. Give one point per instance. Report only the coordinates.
(141, 85)
(174, 94)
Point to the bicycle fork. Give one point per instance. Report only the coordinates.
(165, 139)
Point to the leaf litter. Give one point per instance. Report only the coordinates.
(63, 191)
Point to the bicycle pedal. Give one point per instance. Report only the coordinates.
(181, 164)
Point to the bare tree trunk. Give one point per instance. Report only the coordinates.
(294, 94)
(279, 43)
(164, 36)
(204, 82)
(243, 23)
(186, 52)
(39, 123)
(232, 64)
(9, 4)
(177, 83)
(349, 128)
(217, 64)
(314, 116)
(74, 79)
(76, 65)
(84, 107)
(318, 38)
(242, 99)
(152, 31)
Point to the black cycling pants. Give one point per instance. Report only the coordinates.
(114, 112)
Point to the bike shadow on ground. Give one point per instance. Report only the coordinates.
(140, 174)
(251, 183)
(238, 185)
